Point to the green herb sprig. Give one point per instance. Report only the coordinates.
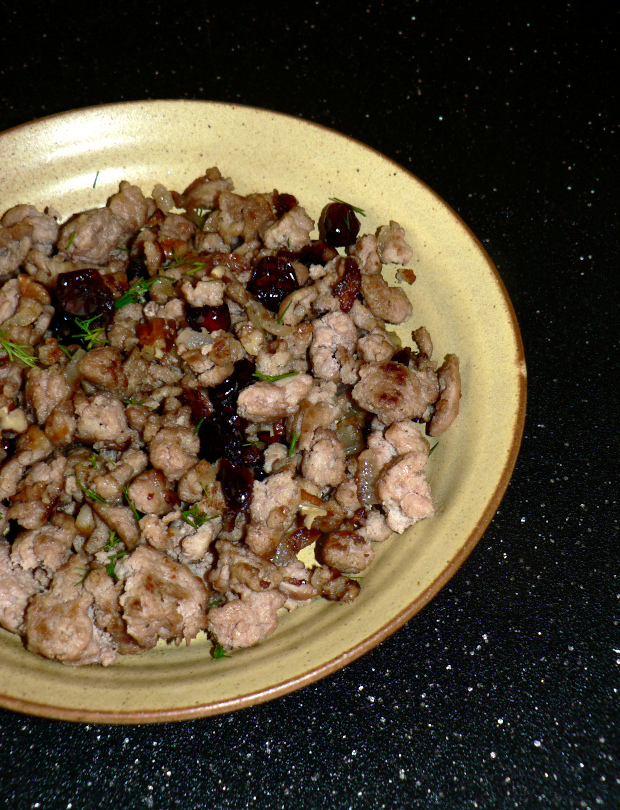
(140, 288)
(268, 378)
(94, 496)
(352, 207)
(17, 351)
(291, 449)
(195, 518)
(136, 514)
(71, 238)
(219, 652)
(91, 336)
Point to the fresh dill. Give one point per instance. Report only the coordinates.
(198, 426)
(90, 493)
(93, 460)
(90, 335)
(352, 207)
(196, 266)
(135, 402)
(291, 449)
(65, 349)
(96, 178)
(113, 540)
(432, 448)
(268, 378)
(133, 294)
(219, 652)
(110, 566)
(281, 318)
(85, 573)
(195, 518)
(71, 238)
(136, 514)
(16, 351)
(216, 601)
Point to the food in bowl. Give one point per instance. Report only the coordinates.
(194, 391)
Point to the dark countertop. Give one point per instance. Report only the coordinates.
(503, 691)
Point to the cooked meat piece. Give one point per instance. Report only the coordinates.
(16, 587)
(346, 551)
(9, 298)
(91, 236)
(205, 191)
(405, 437)
(107, 609)
(44, 226)
(10, 476)
(150, 494)
(391, 391)
(101, 420)
(194, 546)
(59, 624)
(388, 303)
(375, 529)
(130, 207)
(447, 406)
(274, 504)
(32, 446)
(237, 569)
(365, 254)
(291, 232)
(45, 389)
(404, 492)
(174, 451)
(205, 293)
(176, 226)
(269, 401)
(423, 340)
(103, 367)
(391, 245)
(375, 347)
(324, 463)
(246, 621)
(121, 519)
(15, 243)
(162, 599)
(333, 345)
(332, 585)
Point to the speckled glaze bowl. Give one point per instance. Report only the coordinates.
(75, 161)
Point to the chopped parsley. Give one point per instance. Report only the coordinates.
(16, 351)
(133, 294)
(267, 378)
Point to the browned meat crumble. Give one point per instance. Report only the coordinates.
(193, 390)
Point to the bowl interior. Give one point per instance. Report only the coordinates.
(75, 161)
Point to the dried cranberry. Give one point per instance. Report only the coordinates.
(316, 253)
(210, 318)
(284, 203)
(224, 396)
(137, 268)
(237, 485)
(84, 294)
(199, 402)
(339, 225)
(348, 288)
(272, 280)
(403, 356)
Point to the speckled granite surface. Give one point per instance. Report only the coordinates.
(503, 692)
